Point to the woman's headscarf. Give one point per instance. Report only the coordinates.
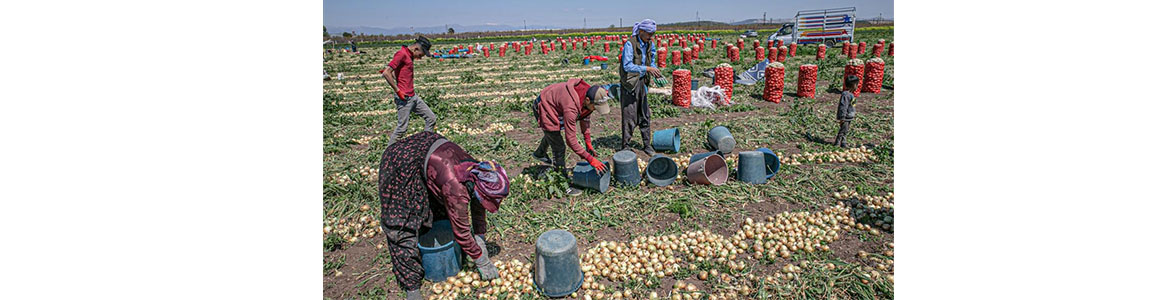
(646, 25)
(489, 179)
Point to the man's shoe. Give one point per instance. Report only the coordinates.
(574, 192)
(649, 151)
(542, 159)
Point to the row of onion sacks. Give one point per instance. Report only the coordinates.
(680, 89)
(724, 77)
(875, 68)
(855, 67)
(806, 82)
(774, 82)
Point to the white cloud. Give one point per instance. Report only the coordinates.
(492, 24)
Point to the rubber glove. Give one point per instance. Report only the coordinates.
(487, 271)
(589, 145)
(597, 166)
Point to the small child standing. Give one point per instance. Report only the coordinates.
(845, 111)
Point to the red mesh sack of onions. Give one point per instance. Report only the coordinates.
(774, 82)
(821, 49)
(760, 53)
(806, 83)
(755, 43)
(680, 89)
(686, 55)
(855, 67)
(661, 58)
(606, 47)
(861, 48)
(675, 57)
(734, 54)
(724, 78)
(891, 51)
(845, 49)
(772, 53)
(792, 49)
(739, 44)
(783, 54)
(875, 68)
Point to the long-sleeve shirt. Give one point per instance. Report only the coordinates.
(402, 66)
(845, 110)
(649, 57)
(563, 102)
(451, 198)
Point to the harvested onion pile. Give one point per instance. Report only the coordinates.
(365, 113)
(365, 139)
(681, 88)
(774, 82)
(875, 68)
(477, 130)
(340, 179)
(854, 67)
(856, 155)
(788, 233)
(724, 78)
(515, 280)
(876, 202)
(806, 83)
(351, 229)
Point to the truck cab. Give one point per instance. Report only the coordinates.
(784, 34)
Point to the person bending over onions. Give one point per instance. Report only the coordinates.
(563, 107)
(425, 177)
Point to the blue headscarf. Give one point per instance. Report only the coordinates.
(646, 25)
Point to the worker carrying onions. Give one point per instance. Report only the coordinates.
(425, 177)
(563, 107)
(638, 60)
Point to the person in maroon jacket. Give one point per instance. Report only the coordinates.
(424, 177)
(399, 73)
(561, 107)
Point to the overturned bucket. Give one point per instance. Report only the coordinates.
(615, 91)
(584, 175)
(557, 271)
(441, 256)
(625, 168)
(720, 139)
(771, 162)
(666, 140)
(661, 170)
(751, 167)
(711, 169)
(699, 156)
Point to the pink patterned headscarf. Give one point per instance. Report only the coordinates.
(490, 180)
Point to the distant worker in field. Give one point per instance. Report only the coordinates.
(353, 46)
(401, 80)
(845, 111)
(423, 178)
(562, 107)
(638, 60)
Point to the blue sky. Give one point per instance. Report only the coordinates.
(600, 13)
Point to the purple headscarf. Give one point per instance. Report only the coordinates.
(490, 181)
(646, 25)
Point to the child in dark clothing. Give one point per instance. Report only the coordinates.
(845, 111)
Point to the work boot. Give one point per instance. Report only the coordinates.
(574, 192)
(649, 150)
(541, 158)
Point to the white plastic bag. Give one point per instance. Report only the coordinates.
(709, 97)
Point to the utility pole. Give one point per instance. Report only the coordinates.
(525, 25)
(584, 23)
(765, 17)
(620, 23)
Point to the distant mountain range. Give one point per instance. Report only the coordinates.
(432, 29)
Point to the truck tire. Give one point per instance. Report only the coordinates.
(830, 43)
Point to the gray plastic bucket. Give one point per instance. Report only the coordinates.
(661, 170)
(557, 271)
(666, 140)
(720, 139)
(711, 169)
(625, 168)
(751, 167)
(771, 162)
(441, 256)
(584, 175)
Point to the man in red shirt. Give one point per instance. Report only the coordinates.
(561, 107)
(401, 80)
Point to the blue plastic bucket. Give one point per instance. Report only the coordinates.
(771, 162)
(661, 170)
(586, 61)
(751, 167)
(615, 91)
(604, 66)
(694, 84)
(584, 175)
(625, 168)
(557, 270)
(441, 256)
(666, 140)
(719, 139)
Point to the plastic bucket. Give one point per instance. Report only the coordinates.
(720, 139)
(604, 66)
(625, 168)
(557, 270)
(586, 61)
(615, 91)
(441, 256)
(694, 84)
(771, 162)
(666, 140)
(661, 170)
(586, 176)
(699, 156)
(708, 170)
(751, 167)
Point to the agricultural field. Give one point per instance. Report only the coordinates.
(822, 228)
